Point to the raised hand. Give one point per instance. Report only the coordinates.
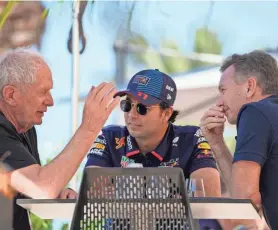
(212, 125)
(98, 106)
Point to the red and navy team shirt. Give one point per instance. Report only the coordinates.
(181, 146)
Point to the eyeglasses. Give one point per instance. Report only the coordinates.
(141, 109)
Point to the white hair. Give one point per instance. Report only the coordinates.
(19, 66)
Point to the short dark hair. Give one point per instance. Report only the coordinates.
(174, 115)
(258, 64)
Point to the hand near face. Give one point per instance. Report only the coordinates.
(212, 125)
(98, 106)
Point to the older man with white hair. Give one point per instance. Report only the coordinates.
(25, 84)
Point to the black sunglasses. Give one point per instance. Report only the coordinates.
(141, 109)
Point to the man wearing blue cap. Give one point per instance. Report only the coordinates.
(150, 138)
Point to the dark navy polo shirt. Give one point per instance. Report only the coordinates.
(257, 140)
(181, 146)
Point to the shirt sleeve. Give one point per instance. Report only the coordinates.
(19, 155)
(253, 136)
(202, 156)
(99, 154)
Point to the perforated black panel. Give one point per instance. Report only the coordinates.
(125, 199)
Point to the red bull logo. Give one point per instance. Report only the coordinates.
(120, 142)
(141, 80)
(205, 153)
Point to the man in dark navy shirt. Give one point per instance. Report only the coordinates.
(149, 136)
(248, 98)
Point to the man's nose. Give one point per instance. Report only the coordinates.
(49, 100)
(219, 101)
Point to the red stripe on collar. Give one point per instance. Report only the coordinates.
(157, 155)
(132, 153)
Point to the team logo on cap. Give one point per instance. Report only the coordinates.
(169, 88)
(141, 80)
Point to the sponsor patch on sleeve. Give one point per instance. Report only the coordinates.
(101, 139)
(200, 136)
(203, 145)
(99, 146)
(205, 153)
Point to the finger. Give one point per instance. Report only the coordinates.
(214, 125)
(104, 91)
(63, 194)
(94, 90)
(217, 108)
(112, 105)
(72, 195)
(209, 120)
(214, 113)
(108, 97)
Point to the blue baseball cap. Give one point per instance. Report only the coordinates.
(151, 87)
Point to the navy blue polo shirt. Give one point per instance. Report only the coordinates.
(257, 141)
(181, 146)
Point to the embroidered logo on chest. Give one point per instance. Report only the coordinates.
(125, 161)
(120, 142)
(171, 163)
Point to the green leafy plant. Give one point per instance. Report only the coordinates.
(39, 224)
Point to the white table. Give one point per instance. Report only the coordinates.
(202, 208)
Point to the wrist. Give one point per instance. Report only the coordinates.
(219, 149)
(86, 135)
(217, 143)
(84, 129)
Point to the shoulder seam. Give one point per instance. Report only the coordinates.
(254, 107)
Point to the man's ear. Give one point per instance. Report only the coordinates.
(9, 94)
(168, 113)
(251, 87)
